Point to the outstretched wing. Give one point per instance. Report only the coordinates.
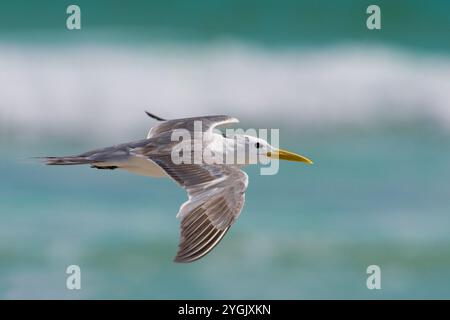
(207, 122)
(216, 197)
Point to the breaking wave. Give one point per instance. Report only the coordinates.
(104, 89)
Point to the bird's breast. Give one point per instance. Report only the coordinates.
(142, 166)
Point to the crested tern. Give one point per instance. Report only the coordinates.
(216, 191)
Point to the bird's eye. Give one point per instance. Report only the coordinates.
(258, 145)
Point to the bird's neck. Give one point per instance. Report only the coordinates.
(235, 151)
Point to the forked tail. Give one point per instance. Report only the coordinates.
(105, 158)
(71, 160)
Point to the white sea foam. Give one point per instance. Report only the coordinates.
(103, 90)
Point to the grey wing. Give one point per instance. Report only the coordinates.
(216, 197)
(208, 123)
(116, 152)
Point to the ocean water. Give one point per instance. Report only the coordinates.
(371, 109)
(307, 232)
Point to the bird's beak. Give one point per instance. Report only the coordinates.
(287, 155)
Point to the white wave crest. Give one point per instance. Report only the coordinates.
(103, 90)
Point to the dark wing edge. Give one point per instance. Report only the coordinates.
(198, 237)
(207, 216)
(208, 123)
(204, 226)
(216, 197)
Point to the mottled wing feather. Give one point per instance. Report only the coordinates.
(209, 219)
(216, 192)
(208, 123)
(189, 175)
(198, 238)
(216, 197)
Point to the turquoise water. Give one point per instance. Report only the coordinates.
(417, 24)
(307, 232)
(371, 108)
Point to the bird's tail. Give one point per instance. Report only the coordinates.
(70, 160)
(104, 158)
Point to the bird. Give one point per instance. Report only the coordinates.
(216, 191)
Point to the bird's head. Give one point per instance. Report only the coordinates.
(252, 146)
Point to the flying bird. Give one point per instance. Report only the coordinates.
(216, 191)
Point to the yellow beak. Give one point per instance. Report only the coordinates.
(287, 155)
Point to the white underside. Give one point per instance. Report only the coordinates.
(138, 165)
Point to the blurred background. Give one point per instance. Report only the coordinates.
(371, 108)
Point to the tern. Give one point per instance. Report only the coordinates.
(216, 191)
